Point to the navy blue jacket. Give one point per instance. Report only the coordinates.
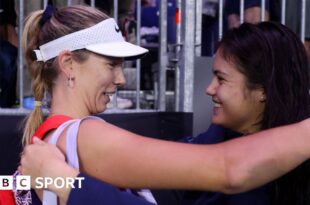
(99, 193)
(95, 192)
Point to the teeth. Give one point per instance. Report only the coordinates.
(217, 105)
(108, 93)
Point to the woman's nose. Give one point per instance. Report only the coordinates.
(120, 77)
(211, 88)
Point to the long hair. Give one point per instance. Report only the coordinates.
(272, 57)
(62, 22)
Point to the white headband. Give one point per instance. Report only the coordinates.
(104, 38)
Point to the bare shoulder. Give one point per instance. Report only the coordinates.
(100, 138)
(96, 129)
(101, 145)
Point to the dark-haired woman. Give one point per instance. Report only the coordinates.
(261, 80)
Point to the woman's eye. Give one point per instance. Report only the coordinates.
(220, 78)
(111, 65)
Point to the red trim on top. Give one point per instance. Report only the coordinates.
(7, 197)
(53, 122)
(49, 124)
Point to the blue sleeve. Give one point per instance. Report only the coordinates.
(96, 192)
(214, 134)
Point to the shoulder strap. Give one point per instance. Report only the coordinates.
(49, 124)
(71, 149)
(71, 142)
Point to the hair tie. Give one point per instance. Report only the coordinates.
(37, 103)
(47, 14)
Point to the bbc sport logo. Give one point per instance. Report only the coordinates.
(23, 182)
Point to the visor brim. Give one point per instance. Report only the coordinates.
(123, 49)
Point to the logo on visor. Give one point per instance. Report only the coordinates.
(117, 29)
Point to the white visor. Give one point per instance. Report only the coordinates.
(104, 38)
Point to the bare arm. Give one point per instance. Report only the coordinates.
(251, 15)
(128, 160)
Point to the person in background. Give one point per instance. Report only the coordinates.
(210, 20)
(252, 12)
(8, 22)
(8, 54)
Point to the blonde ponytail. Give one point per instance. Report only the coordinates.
(31, 42)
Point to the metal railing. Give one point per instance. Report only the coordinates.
(187, 46)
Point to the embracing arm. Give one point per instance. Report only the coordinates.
(128, 160)
(92, 192)
(54, 167)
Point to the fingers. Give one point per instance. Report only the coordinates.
(23, 161)
(33, 158)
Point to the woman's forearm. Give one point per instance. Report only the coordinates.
(257, 159)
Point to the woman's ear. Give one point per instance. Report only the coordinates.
(64, 63)
(262, 95)
(262, 98)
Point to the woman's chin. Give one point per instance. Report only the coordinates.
(101, 110)
(216, 120)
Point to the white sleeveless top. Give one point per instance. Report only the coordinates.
(50, 198)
